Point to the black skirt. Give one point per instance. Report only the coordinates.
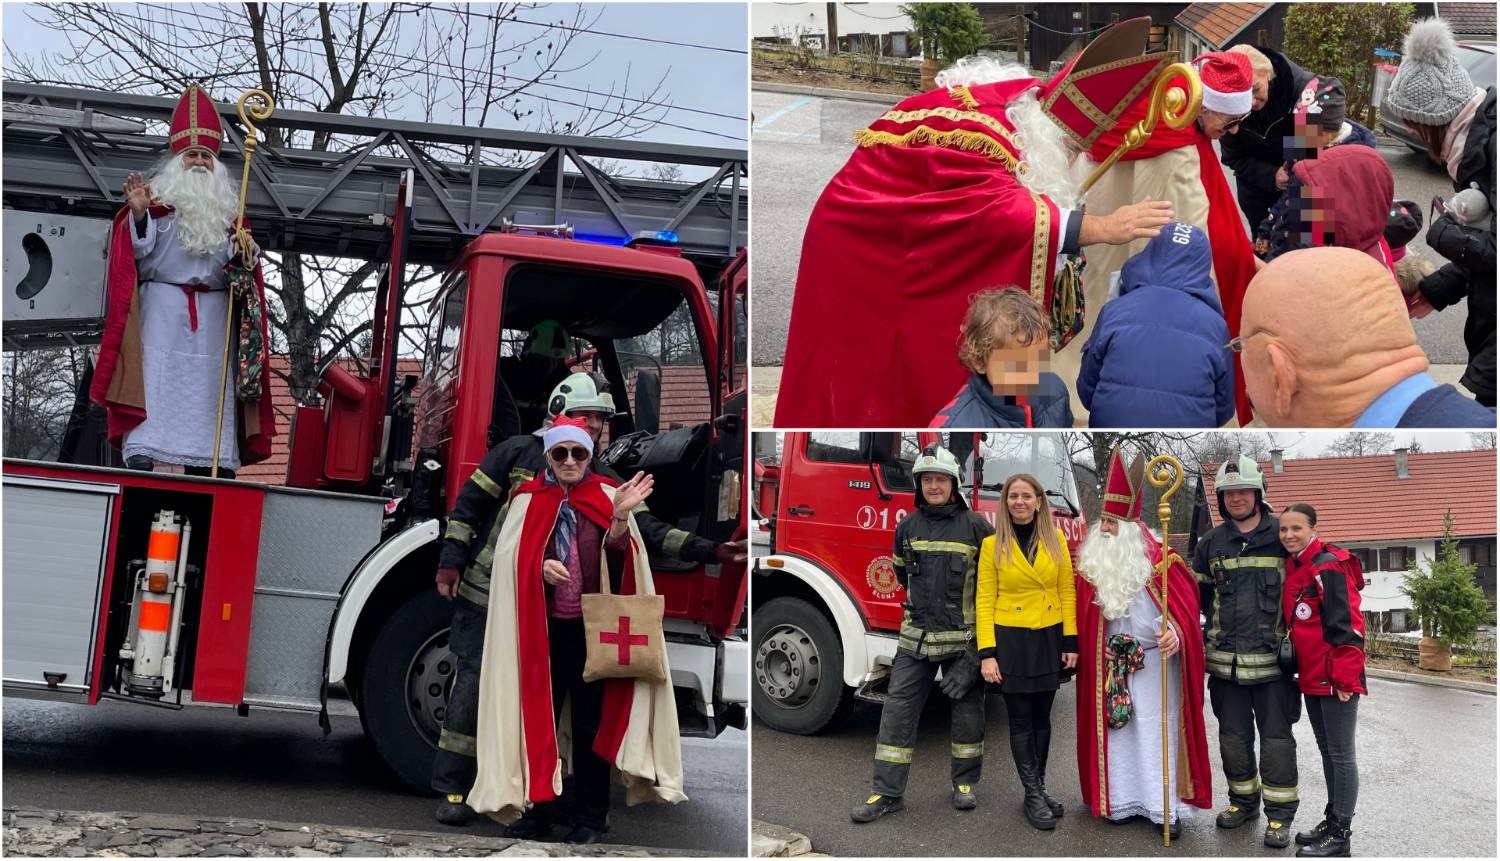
(1030, 658)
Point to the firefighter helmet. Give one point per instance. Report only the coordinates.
(580, 392)
(935, 458)
(1241, 473)
(547, 339)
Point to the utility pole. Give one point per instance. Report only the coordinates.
(1021, 34)
(833, 28)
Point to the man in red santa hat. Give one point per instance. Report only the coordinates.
(969, 187)
(1180, 167)
(162, 353)
(1120, 663)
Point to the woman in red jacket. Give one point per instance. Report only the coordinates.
(1320, 604)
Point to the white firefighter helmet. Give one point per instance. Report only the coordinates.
(580, 392)
(935, 458)
(1242, 473)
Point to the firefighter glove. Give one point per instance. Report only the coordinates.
(960, 676)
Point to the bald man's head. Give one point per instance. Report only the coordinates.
(1325, 333)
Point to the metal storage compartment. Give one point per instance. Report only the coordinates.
(56, 536)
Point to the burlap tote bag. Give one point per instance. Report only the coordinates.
(624, 634)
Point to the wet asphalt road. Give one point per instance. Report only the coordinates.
(277, 766)
(800, 142)
(1427, 787)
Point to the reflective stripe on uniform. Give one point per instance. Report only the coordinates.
(672, 544)
(461, 532)
(1256, 658)
(898, 562)
(456, 742)
(1255, 674)
(485, 483)
(968, 550)
(1245, 787)
(968, 751)
(1231, 562)
(890, 753)
(1278, 793)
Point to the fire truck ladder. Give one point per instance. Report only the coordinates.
(68, 151)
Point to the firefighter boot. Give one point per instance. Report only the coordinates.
(1278, 834)
(1043, 744)
(1308, 838)
(963, 797)
(453, 810)
(1236, 815)
(876, 806)
(1333, 844)
(1034, 805)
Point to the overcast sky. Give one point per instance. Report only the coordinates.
(713, 80)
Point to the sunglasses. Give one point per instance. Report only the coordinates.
(1235, 123)
(562, 453)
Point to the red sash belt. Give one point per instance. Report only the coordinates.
(192, 291)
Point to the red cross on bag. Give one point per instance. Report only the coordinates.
(623, 634)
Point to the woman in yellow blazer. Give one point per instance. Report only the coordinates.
(1026, 630)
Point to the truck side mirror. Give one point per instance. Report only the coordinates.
(648, 401)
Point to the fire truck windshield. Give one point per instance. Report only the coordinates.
(1042, 455)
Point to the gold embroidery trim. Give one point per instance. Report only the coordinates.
(1099, 750)
(1104, 122)
(965, 97)
(1039, 238)
(959, 139)
(953, 114)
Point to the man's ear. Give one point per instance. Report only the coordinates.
(1283, 379)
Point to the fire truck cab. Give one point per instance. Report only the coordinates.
(826, 605)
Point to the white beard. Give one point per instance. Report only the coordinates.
(204, 203)
(1056, 172)
(1117, 567)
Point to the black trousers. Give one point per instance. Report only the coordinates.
(1029, 716)
(454, 768)
(1333, 726)
(911, 681)
(588, 801)
(1269, 708)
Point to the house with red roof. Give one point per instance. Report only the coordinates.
(1388, 511)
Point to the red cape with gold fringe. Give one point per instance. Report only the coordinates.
(925, 213)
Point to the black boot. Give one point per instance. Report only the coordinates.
(534, 824)
(1043, 741)
(1308, 838)
(1333, 844)
(876, 806)
(1023, 749)
(453, 810)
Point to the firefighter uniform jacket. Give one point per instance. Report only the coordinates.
(485, 497)
(1239, 581)
(936, 554)
(1321, 607)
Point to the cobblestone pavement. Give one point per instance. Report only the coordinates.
(71, 834)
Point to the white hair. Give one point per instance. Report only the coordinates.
(1053, 170)
(1116, 565)
(204, 202)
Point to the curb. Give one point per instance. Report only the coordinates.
(71, 833)
(776, 841)
(826, 92)
(1418, 678)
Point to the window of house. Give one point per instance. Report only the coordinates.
(1397, 558)
(1367, 557)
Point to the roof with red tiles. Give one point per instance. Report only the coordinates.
(1361, 498)
(1469, 19)
(1220, 22)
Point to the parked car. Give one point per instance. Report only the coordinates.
(1478, 59)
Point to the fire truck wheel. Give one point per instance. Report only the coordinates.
(405, 687)
(798, 662)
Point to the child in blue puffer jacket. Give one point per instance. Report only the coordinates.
(1157, 355)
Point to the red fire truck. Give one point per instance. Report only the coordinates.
(826, 604)
(144, 588)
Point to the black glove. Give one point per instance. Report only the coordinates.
(960, 675)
